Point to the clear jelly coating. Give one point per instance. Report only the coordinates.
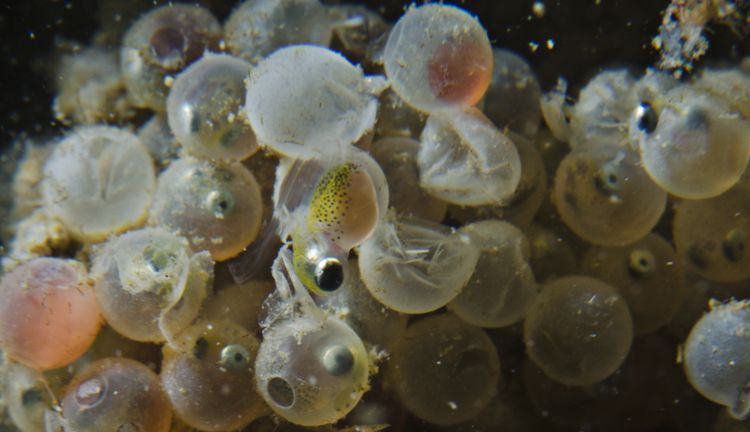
(711, 236)
(445, 371)
(717, 357)
(578, 330)
(159, 45)
(238, 303)
(209, 376)
(692, 144)
(49, 315)
(396, 118)
(150, 284)
(204, 109)
(512, 99)
(99, 180)
(397, 157)
(438, 56)
(604, 196)
(311, 372)
(305, 100)
(216, 206)
(503, 284)
(115, 394)
(464, 159)
(415, 266)
(256, 28)
(647, 274)
(26, 396)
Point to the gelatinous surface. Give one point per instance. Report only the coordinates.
(209, 376)
(115, 394)
(438, 56)
(48, 313)
(578, 330)
(445, 371)
(216, 206)
(99, 180)
(150, 284)
(204, 106)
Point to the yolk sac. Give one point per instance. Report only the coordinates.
(115, 394)
(48, 313)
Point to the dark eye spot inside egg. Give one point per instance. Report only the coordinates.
(607, 180)
(31, 397)
(733, 245)
(167, 44)
(338, 360)
(234, 357)
(641, 263)
(646, 117)
(329, 274)
(281, 393)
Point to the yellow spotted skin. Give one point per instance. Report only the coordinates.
(330, 201)
(304, 269)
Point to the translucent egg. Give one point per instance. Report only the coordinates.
(216, 206)
(238, 303)
(209, 378)
(465, 160)
(373, 322)
(444, 371)
(605, 197)
(115, 394)
(578, 330)
(359, 33)
(414, 266)
(552, 255)
(48, 313)
(603, 108)
(149, 283)
(305, 100)
(90, 88)
(438, 56)
(257, 28)
(311, 372)
(711, 235)
(503, 284)
(397, 157)
(731, 85)
(26, 397)
(527, 199)
(99, 180)
(159, 45)
(204, 109)
(512, 99)
(717, 361)
(159, 140)
(692, 144)
(647, 274)
(396, 118)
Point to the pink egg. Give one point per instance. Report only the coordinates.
(48, 313)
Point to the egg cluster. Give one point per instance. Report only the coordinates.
(247, 229)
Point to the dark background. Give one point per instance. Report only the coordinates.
(587, 38)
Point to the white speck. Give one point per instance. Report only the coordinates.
(533, 46)
(539, 9)
(452, 405)
(550, 44)
(32, 36)
(168, 81)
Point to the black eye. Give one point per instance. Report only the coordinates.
(646, 117)
(234, 357)
(329, 274)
